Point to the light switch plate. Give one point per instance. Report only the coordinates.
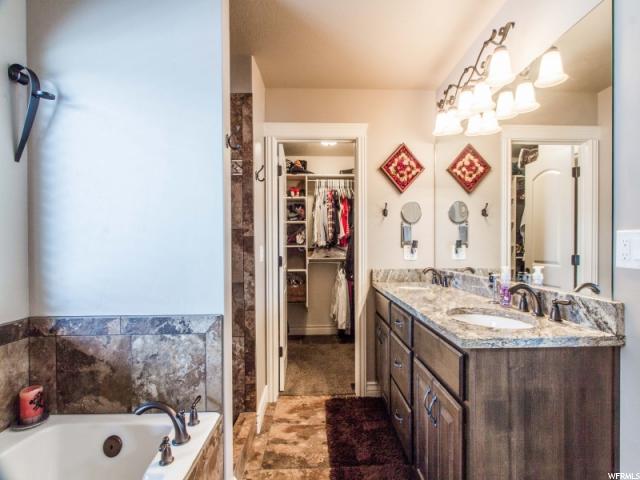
(408, 255)
(628, 249)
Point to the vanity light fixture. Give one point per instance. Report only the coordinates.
(551, 71)
(489, 124)
(465, 103)
(482, 99)
(525, 100)
(474, 126)
(447, 123)
(505, 109)
(500, 73)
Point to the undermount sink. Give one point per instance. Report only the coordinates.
(413, 288)
(492, 320)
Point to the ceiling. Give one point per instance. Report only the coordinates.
(408, 44)
(314, 149)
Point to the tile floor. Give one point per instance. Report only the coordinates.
(293, 442)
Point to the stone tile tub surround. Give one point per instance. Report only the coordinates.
(589, 311)
(431, 305)
(111, 364)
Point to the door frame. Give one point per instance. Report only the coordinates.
(274, 133)
(586, 137)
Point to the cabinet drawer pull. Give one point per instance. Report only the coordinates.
(398, 322)
(397, 364)
(434, 418)
(425, 400)
(398, 417)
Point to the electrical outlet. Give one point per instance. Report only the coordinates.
(628, 249)
(408, 255)
(459, 254)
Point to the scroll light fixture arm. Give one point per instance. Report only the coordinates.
(27, 77)
(478, 70)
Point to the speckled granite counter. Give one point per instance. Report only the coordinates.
(430, 305)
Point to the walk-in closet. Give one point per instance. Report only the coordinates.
(317, 225)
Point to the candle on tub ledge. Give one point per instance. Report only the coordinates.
(31, 405)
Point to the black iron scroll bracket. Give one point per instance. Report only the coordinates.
(27, 77)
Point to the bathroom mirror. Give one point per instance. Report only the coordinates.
(458, 212)
(551, 173)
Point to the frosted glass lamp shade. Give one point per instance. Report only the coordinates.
(505, 108)
(489, 124)
(551, 69)
(500, 73)
(525, 100)
(453, 126)
(474, 126)
(465, 103)
(441, 120)
(482, 100)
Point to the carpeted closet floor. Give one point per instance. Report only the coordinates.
(320, 365)
(324, 438)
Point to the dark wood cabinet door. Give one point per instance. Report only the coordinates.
(438, 428)
(382, 358)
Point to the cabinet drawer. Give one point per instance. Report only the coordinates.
(401, 323)
(382, 306)
(400, 365)
(402, 420)
(441, 358)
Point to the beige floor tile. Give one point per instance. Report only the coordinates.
(301, 410)
(296, 446)
(290, 474)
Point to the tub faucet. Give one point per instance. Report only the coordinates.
(178, 420)
(537, 302)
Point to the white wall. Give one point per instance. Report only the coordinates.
(14, 270)
(393, 116)
(484, 233)
(626, 171)
(126, 175)
(605, 186)
(258, 96)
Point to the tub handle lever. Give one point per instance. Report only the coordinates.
(193, 413)
(166, 455)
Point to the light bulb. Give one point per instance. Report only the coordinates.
(505, 109)
(551, 70)
(474, 125)
(482, 100)
(500, 73)
(465, 103)
(525, 100)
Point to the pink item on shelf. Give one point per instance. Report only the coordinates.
(31, 404)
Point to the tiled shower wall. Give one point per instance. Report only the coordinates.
(112, 364)
(243, 265)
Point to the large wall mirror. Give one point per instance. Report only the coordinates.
(548, 193)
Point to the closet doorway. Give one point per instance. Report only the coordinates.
(315, 204)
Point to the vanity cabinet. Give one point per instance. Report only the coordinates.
(496, 413)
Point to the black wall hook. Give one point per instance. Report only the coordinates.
(26, 76)
(484, 212)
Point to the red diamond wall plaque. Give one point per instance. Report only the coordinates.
(469, 168)
(402, 167)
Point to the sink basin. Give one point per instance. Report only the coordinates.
(491, 320)
(411, 288)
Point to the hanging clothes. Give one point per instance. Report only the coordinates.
(340, 301)
(332, 214)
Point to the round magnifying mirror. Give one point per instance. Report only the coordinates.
(458, 212)
(411, 212)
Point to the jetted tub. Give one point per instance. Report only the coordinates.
(70, 447)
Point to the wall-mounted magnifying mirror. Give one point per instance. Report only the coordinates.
(458, 212)
(411, 214)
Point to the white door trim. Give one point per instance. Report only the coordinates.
(587, 138)
(275, 132)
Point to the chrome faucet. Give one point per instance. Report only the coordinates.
(178, 420)
(471, 270)
(591, 286)
(537, 302)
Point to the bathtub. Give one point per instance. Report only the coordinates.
(70, 447)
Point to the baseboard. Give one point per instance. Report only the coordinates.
(262, 407)
(372, 389)
(313, 330)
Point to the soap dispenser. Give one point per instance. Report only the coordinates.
(537, 277)
(505, 283)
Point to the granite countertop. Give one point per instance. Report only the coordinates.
(430, 305)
